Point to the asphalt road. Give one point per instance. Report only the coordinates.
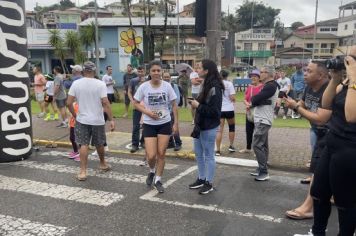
(40, 196)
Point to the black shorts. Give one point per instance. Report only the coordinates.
(227, 114)
(150, 131)
(93, 134)
(61, 103)
(48, 98)
(111, 97)
(320, 145)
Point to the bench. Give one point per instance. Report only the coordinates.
(241, 84)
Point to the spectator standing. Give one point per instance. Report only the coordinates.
(108, 80)
(228, 113)
(183, 82)
(264, 104)
(136, 114)
(285, 87)
(207, 121)
(174, 140)
(39, 84)
(60, 96)
(196, 82)
(127, 78)
(91, 97)
(253, 89)
(298, 86)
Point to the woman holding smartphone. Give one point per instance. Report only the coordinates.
(207, 120)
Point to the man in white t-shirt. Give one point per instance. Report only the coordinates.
(91, 97)
(196, 85)
(285, 87)
(108, 80)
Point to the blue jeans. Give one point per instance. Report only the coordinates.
(204, 154)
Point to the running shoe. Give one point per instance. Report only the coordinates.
(207, 187)
(159, 187)
(56, 116)
(232, 149)
(149, 179)
(217, 153)
(48, 117)
(197, 184)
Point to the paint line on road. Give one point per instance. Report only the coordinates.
(113, 160)
(236, 161)
(151, 196)
(10, 225)
(56, 191)
(74, 170)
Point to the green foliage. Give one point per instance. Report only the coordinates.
(65, 4)
(296, 25)
(87, 35)
(263, 16)
(229, 23)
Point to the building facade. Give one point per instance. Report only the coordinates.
(253, 46)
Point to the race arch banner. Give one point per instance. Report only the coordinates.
(15, 107)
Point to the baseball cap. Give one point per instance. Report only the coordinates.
(89, 66)
(255, 72)
(76, 68)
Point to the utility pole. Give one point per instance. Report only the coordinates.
(315, 28)
(213, 31)
(97, 62)
(178, 30)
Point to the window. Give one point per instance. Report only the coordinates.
(333, 29)
(248, 46)
(324, 45)
(345, 27)
(324, 29)
(309, 45)
(261, 46)
(332, 45)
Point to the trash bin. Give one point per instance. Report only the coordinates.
(15, 106)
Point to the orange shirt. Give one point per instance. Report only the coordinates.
(40, 83)
(72, 119)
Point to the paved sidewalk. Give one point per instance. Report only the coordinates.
(289, 147)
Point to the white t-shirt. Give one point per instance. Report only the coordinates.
(195, 88)
(108, 79)
(284, 84)
(89, 92)
(50, 88)
(156, 100)
(227, 104)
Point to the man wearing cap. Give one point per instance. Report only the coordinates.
(91, 97)
(127, 78)
(76, 74)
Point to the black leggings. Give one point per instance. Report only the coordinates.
(335, 176)
(250, 126)
(72, 139)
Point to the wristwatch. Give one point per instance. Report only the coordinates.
(296, 108)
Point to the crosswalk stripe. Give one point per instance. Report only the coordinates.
(57, 191)
(21, 227)
(74, 170)
(114, 160)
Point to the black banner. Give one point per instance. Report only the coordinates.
(15, 106)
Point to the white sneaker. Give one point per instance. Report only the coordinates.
(95, 153)
(309, 234)
(106, 148)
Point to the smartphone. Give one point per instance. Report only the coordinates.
(190, 98)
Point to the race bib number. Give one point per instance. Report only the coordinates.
(160, 113)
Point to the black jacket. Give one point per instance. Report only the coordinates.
(208, 112)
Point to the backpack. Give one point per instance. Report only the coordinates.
(180, 94)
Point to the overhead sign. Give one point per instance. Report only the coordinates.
(254, 54)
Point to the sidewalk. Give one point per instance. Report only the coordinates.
(289, 147)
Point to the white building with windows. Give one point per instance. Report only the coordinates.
(347, 26)
(253, 46)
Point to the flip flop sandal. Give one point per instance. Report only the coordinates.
(297, 215)
(105, 169)
(81, 178)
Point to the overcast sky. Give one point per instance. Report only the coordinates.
(291, 11)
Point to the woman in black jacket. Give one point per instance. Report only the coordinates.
(207, 121)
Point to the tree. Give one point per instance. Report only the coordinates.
(229, 23)
(263, 16)
(65, 4)
(296, 25)
(56, 41)
(164, 26)
(87, 35)
(73, 43)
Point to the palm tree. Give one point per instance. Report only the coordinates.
(87, 35)
(73, 43)
(56, 41)
(165, 26)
